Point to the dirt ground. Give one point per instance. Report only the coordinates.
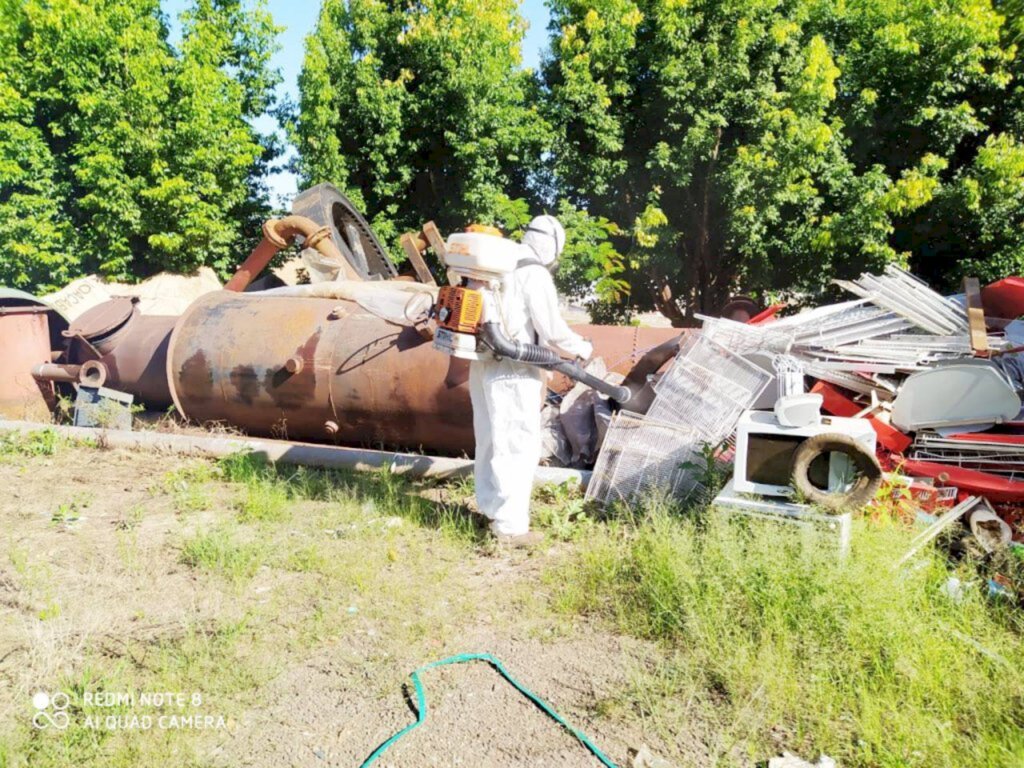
(297, 619)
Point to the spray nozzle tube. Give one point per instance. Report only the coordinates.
(533, 354)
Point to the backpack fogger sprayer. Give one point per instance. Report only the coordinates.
(469, 317)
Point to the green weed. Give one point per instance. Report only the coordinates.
(263, 500)
(128, 550)
(307, 559)
(188, 486)
(218, 551)
(243, 467)
(19, 559)
(45, 442)
(129, 519)
(66, 513)
(394, 495)
(561, 511)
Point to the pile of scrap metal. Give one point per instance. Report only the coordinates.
(905, 384)
(347, 358)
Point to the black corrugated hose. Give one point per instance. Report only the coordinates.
(533, 354)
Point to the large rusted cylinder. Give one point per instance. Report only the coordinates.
(328, 370)
(357, 379)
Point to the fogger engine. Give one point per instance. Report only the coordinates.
(478, 263)
(468, 310)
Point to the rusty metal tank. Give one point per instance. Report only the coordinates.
(131, 346)
(30, 335)
(328, 370)
(25, 335)
(314, 369)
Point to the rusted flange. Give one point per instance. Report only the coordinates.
(271, 234)
(93, 373)
(313, 240)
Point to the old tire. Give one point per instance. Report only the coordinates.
(866, 484)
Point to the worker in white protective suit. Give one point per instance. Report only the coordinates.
(508, 395)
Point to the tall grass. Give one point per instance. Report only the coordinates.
(770, 633)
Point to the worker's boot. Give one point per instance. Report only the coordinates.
(527, 540)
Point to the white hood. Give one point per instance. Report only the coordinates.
(545, 236)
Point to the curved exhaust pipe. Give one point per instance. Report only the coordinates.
(278, 234)
(533, 354)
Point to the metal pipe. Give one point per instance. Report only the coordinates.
(93, 373)
(21, 310)
(286, 452)
(278, 234)
(59, 372)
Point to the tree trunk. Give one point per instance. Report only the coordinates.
(707, 278)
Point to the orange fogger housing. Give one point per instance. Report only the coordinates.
(459, 309)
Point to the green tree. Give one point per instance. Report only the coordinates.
(771, 146)
(1013, 10)
(120, 154)
(1013, 35)
(421, 111)
(33, 230)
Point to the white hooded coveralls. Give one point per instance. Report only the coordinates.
(507, 396)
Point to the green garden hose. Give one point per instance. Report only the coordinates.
(421, 706)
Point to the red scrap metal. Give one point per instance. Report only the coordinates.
(1004, 298)
(838, 404)
(768, 314)
(931, 498)
(992, 487)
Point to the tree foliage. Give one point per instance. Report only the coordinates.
(119, 153)
(693, 148)
(420, 111)
(766, 146)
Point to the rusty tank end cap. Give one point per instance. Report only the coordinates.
(103, 319)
